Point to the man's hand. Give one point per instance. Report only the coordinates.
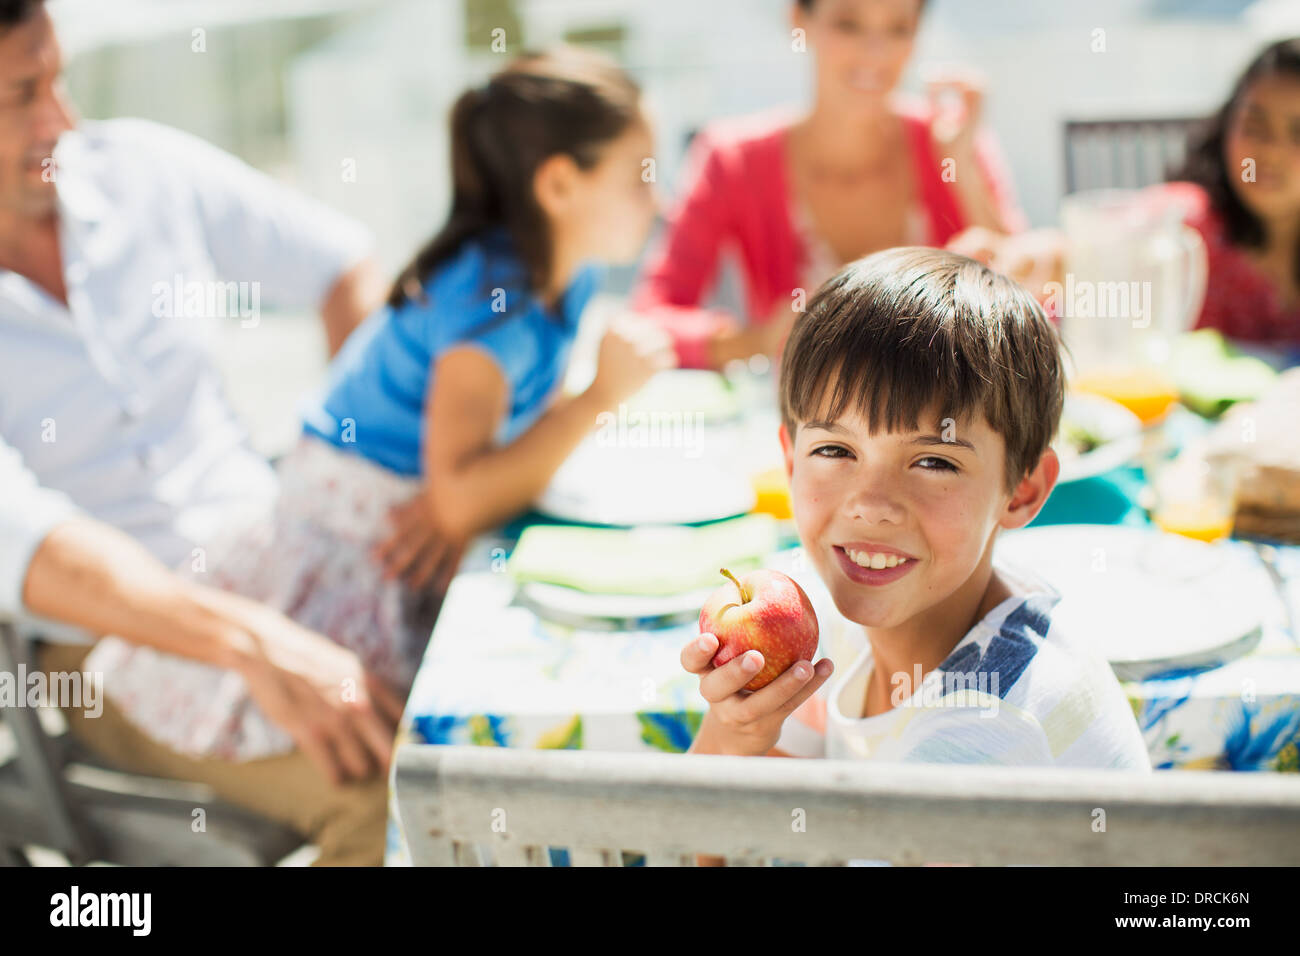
(343, 718)
(417, 549)
(96, 577)
(740, 722)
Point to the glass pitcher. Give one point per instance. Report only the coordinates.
(1135, 279)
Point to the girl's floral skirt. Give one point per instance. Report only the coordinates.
(308, 558)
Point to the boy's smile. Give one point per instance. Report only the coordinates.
(870, 563)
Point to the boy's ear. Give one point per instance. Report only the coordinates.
(1031, 494)
(787, 449)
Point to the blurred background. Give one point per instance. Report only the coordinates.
(347, 99)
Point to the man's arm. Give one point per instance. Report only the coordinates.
(63, 565)
(90, 574)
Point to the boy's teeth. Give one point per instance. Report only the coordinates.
(876, 561)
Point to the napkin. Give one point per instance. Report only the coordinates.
(645, 560)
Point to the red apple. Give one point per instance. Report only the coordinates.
(767, 612)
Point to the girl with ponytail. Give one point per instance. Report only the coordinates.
(440, 418)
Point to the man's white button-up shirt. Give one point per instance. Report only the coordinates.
(110, 405)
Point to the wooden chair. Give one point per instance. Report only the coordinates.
(474, 806)
(1124, 153)
(56, 794)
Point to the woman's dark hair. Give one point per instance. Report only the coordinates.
(808, 4)
(565, 100)
(1206, 165)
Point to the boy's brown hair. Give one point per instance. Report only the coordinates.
(900, 330)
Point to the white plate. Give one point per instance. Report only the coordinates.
(611, 611)
(1145, 600)
(687, 479)
(1118, 428)
(687, 391)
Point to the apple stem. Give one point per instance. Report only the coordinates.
(744, 595)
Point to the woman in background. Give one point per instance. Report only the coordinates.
(798, 196)
(1241, 191)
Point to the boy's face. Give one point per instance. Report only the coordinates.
(934, 496)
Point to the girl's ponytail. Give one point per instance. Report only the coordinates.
(566, 101)
(474, 207)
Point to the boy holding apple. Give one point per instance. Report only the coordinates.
(920, 394)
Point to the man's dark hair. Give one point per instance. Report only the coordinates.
(14, 12)
(908, 329)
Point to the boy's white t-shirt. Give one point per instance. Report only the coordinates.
(1014, 691)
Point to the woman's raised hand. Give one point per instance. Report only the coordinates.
(957, 99)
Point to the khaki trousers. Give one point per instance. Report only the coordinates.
(347, 823)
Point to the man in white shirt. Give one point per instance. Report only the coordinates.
(119, 454)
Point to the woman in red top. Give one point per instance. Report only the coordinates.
(1243, 195)
(796, 197)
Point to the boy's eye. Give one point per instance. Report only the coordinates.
(937, 464)
(831, 451)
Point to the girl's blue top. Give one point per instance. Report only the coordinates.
(373, 401)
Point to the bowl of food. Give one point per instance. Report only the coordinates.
(1096, 436)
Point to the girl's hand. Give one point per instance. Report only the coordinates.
(417, 550)
(631, 352)
(741, 722)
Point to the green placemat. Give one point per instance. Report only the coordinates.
(643, 561)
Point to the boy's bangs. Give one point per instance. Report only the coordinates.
(890, 385)
(913, 332)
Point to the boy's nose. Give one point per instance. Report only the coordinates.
(876, 505)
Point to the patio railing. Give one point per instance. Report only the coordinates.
(494, 806)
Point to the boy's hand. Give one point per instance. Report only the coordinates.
(740, 722)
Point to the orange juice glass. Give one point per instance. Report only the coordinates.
(1146, 391)
(772, 491)
(1195, 498)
